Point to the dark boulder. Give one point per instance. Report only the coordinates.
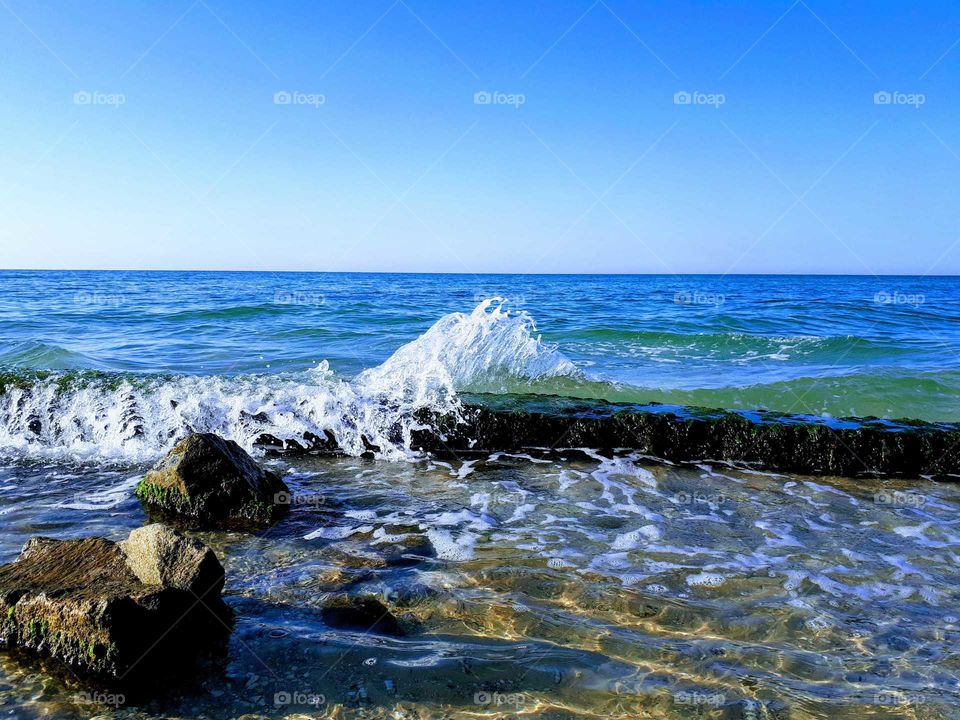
(208, 482)
(117, 611)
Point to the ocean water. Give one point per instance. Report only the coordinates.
(582, 586)
(312, 350)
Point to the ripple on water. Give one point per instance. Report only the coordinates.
(610, 587)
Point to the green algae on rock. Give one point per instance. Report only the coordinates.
(208, 482)
(550, 425)
(848, 447)
(118, 611)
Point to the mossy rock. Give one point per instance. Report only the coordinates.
(118, 611)
(212, 483)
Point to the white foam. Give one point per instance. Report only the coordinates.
(465, 469)
(337, 533)
(104, 499)
(705, 579)
(450, 547)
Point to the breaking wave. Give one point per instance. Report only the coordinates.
(86, 414)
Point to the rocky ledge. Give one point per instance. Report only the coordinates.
(848, 447)
(117, 611)
(208, 482)
(545, 426)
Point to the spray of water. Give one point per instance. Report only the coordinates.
(138, 419)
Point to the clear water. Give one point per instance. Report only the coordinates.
(586, 586)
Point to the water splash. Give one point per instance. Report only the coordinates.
(108, 416)
(489, 347)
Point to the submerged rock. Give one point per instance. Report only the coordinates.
(355, 555)
(365, 613)
(407, 594)
(119, 611)
(404, 550)
(206, 481)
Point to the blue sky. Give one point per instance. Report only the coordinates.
(153, 135)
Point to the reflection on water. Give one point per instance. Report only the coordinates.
(583, 587)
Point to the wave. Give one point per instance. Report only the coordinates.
(138, 418)
(43, 355)
(731, 347)
(239, 312)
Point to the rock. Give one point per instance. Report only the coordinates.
(354, 555)
(406, 550)
(801, 444)
(365, 613)
(848, 447)
(118, 611)
(409, 594)
(410, 550)
(418, 545)
(209, 482)
(158, 555)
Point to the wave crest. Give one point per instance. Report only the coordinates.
(129, 418)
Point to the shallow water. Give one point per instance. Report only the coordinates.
(584, 587)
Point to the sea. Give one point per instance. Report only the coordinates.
(587, 585)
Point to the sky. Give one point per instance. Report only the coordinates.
(522, 136)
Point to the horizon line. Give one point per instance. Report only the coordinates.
(482, 274)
